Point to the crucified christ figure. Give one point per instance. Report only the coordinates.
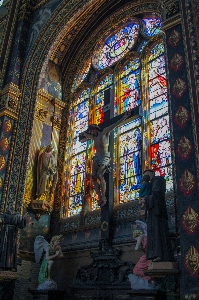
(101, 160)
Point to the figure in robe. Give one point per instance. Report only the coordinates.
(10, 222)
(158, 241)
(46, 172)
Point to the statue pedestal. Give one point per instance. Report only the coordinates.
(166, 276)
(47, 295)
(7, 284)
(162, 269)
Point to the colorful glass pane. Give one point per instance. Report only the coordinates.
(151, 26)
(99, 99)
(160, 154)
(160, 149)
(75, 204)
(168, 175)
(156, 51)
(116, 46)
(130, 161)
(130, 86)
(79, 123)
(160, 129)
(140, 48)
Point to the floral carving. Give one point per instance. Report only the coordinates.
(7, 126)
(179, 88)
(2, 162)
(176, 62)
(4, 144)
(184, 148)
(190, 220)
(191, 261)
(182, 116)
(174, 38)
(187, 183)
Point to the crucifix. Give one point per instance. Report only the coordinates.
(102, 172)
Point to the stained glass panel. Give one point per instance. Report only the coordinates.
(99, 98)
(79, 123)
(130, 161)
(151, 26)
(160, 149)
(116, 46)
(160, 129)
(130, 86)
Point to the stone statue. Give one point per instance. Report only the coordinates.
(158, 240)
(101, 160)
(10, 221)
(138, 279)
(46, 172)
(52, 251)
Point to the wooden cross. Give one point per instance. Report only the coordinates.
(107, 209)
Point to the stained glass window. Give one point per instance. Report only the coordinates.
(130, 143)
(116, 46)
(151, 26)
(130, 85)
(99, 98)
(138, 79)
(160, 149)
(79, 123)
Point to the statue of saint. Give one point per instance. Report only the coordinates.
(52, 251)
(101, 160)
(158, 241)
(10, 222)
(46, 172)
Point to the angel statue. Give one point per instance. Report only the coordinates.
(47, 174)
(52, 251)
(138, 279)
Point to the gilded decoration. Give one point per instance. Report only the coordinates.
(2, 162)
(174, 38)
(179, 88)
(7, 126)
(41, 114)
(56, 122)
(1, 182)
(10, 100)
(187, 183)
(190, 220)
(4, 144)
(191, 261)
(176, 62)
(184, 148)
(182, 116)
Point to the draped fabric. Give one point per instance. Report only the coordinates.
(158, 241)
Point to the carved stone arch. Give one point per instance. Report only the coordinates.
(30, 77)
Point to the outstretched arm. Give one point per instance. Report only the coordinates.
(86, 135)
(116, 124)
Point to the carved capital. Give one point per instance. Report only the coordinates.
(9, 99)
